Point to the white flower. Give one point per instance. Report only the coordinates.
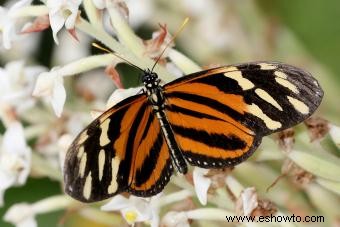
(7, 28)
(139, 11)
(62, 12)
(63, 145)
(22, 215)
(334, 132)
(247, 202)
(135, 209)
(175, 219)
(15, 158)
(181, 218)
(17, 83)
(8, 22)
(121, 94)
(99, 4)
(201, 184)
(51, 86)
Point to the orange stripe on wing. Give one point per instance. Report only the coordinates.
(208, 125)
(143, 150)
(141, 129)
(129, 116)
(201, 108)
(156, 174)
(235, 102)
(203, 149)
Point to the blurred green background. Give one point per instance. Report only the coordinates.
(299, 32)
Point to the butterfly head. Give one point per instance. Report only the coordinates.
(150, 79)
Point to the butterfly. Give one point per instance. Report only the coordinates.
(211, 119)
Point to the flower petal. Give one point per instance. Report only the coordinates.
(175, 219)
(249, 199)
(8, 35)
(44, 85)
(58, 96)
(99, 4)
(14, 140)
(21, 215)
(201, 183)
(15, 157)
(116, 203)
(57, 21)
(334, 132)
(51, 85)
(120, 94)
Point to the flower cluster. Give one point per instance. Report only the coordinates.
(42, 110)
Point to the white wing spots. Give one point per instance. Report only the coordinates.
(104, 139)
(280, 74)
(83, 137)
(82, 165)
(256, 111)
(244, 83)
(114, 168)
(266, 66)
(268, 98)
(287, 84)
(87, 186)
(101, 163)
(80, 152)
(281, 78)
(298, 105)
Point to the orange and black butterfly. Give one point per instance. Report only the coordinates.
(211, 119)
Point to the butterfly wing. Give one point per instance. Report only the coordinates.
(220, 115)
(113, 154)
(151, 167)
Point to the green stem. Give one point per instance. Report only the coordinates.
(88, 63)
(125, 34)
(93, 14)
(31, 11)
(183, 62)
(41, 167)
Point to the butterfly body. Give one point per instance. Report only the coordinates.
(156, 99)
(212, 119)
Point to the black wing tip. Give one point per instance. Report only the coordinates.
(76, 195)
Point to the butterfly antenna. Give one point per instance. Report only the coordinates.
(115, 54)
(186, 20)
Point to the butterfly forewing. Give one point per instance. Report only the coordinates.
(97, 163)
(220, 115)
(122, 150)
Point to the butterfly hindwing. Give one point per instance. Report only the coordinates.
(152, 167)
(220, 115)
